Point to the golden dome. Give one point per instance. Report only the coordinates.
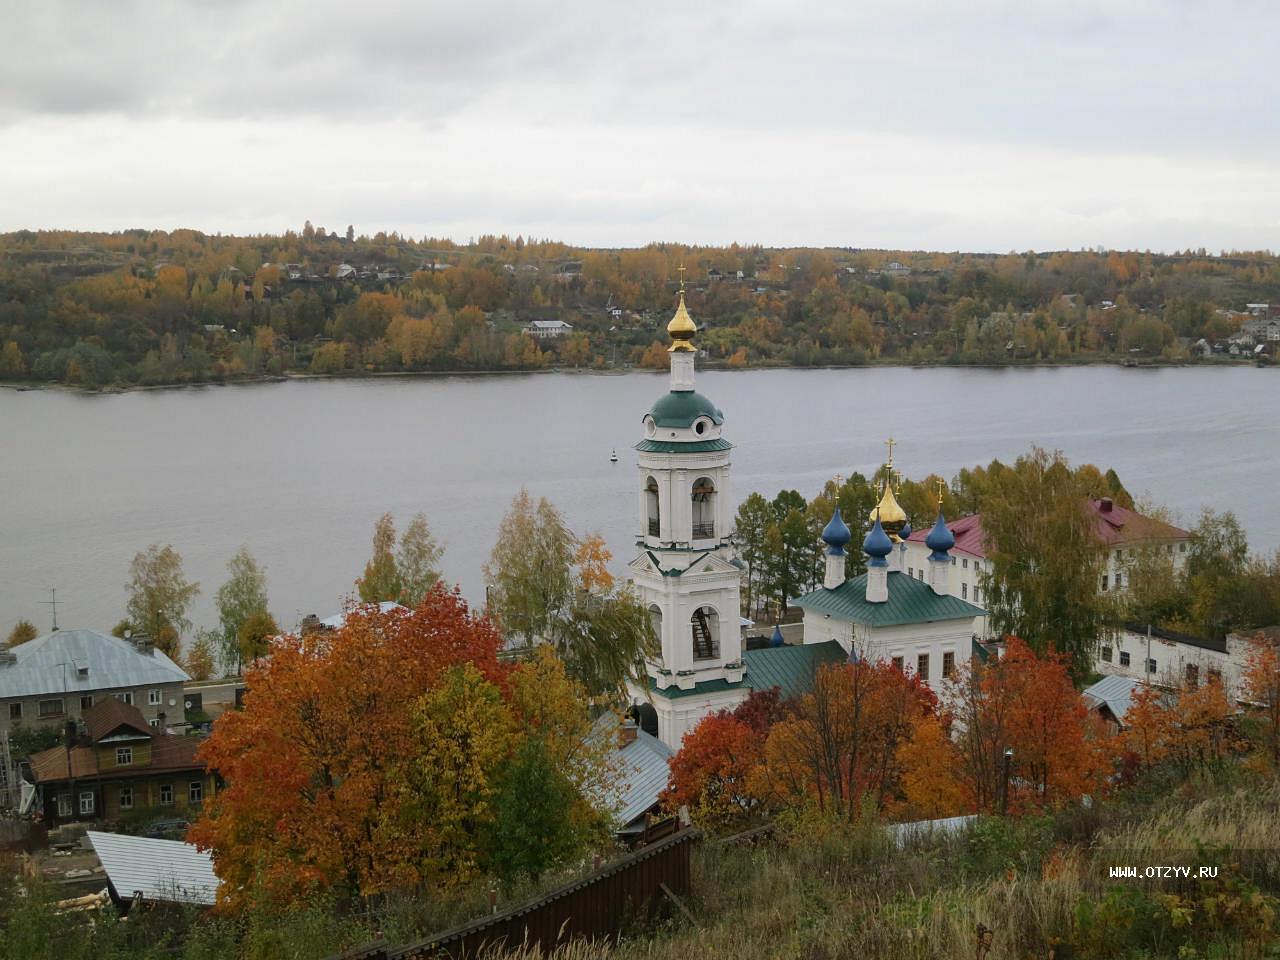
(682, 328)
(892, 517)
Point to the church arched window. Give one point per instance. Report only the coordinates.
(704, 509)
(705, 627)
(651, 500)
(655, 620)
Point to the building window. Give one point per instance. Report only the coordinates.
(911, 572)
(898, 665)
(977, 593)
(651, 502)
(124, 756)
(86, 702)
(1106, 654)
(166, 794)
(948, 664)
(1151, 666)
(51, 708)
(964, 563)
(1193, 675)
(64, 804)
(126, 798)
(1104, 583)
(1119, 579)
(920, 574)
(1182, 548)
(86, 803)
(195, 792)
(153, 698)
(15, 711)
(704, 505)
(922, 666)
(964, 591)
(1119, 555)
(154, 722)
(1215, 675)
(1124, 658)
(126, 697)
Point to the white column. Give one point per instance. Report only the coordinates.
(940, 576)
(835, 570)
(877, 583)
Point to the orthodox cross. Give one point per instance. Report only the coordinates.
(941, 485)
(680, 270)
(889, 443)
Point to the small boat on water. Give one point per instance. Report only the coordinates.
(613, 457)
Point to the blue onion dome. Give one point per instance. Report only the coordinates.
(877, 546)
(776, 640)
(905, 531)
(940, 538)
(836, 534)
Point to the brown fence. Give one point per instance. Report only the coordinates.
(596, 907)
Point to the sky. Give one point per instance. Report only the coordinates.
(1127, 124)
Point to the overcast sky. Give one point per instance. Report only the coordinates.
(936, 125)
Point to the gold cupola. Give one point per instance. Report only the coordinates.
(892, 517)
(681, 328)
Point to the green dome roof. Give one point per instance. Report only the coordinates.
(680, 408)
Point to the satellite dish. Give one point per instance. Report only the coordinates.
(128, 633)
(187, 704)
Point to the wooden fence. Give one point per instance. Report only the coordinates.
(596, 907)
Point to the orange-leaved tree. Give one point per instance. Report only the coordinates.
(1027, 704)
(1262, 687)
(712, 773)
(312, 763)
(842, 746)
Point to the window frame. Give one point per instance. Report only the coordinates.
(948, 664)
(86, 705)
(86, 795)
(163, 788)
(15, 710)
(43, 714)
(125, 797)
(124, 756)
(195, 792)
(1125, 659)
(155, 698)
(922, 660)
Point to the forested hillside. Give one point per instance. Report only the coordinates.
(153, 307)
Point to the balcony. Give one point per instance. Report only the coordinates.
(653, 526)
(704, 531)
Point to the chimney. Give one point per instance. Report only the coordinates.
(1105, 504)
(310, 624)
(627, 732)
(143, 643)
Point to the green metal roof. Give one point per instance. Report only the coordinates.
(791, 668)
(680, 408)
(910, 601)
(675, 446)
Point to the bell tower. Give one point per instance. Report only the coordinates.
(684, 574)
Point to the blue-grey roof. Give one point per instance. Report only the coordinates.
(53, 664)
(339, 619)
(1116, 692)
(644, 770)
(161, 870)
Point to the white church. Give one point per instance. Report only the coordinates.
(687, 576)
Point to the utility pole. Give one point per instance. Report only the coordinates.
(53, 605)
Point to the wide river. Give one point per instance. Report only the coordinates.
(300, 471)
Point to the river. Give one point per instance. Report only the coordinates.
(299, 471)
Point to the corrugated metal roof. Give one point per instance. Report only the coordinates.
(52, 664)
(338, 619)
(790, 668)
(644, 770)
(1116, 692)
(162, 870)
(910, 601)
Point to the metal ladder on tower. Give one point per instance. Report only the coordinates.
(704, 645)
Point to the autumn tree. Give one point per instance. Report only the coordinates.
(22, 631)
(841, 747)
(549, 587)
(417, 561)
(314, 763)
(1043, 584)
(1262, 687)
(253, 639)
(201, 661)
(713, 772)
(241, 598)
(159, 596)
(1026, 702)
(930, 785)
(381, 579)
